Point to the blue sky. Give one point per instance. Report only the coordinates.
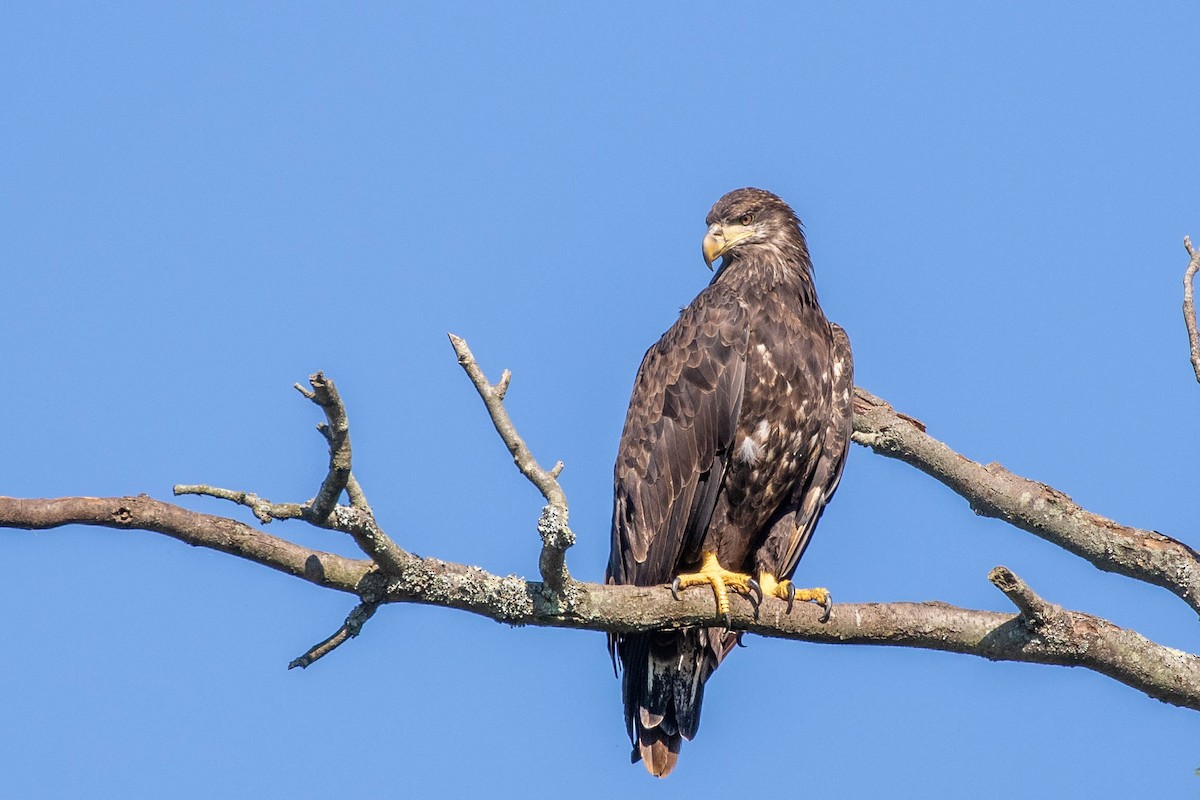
(204, 203)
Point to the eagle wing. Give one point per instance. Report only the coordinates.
(827, 473)
(674, 448)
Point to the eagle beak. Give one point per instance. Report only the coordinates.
(720, 238)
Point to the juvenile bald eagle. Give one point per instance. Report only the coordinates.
(734, 442)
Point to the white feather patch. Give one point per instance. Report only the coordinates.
(749, 451)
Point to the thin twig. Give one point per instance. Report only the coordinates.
(264, 509)
(350, 628)
(1189, 304)
(556, 535)
(493, 398)
(357, 520)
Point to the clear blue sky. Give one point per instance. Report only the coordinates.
(204, 203)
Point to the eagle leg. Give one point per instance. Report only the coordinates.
(786, 590)
(721, 580)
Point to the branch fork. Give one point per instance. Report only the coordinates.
(356, 519)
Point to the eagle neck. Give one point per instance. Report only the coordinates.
(785, 280)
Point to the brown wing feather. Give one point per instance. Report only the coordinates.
(681, 422)
(828, 471)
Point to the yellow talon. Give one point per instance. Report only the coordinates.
(721, 580)
(786, 590)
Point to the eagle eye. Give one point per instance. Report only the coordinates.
(746, 219)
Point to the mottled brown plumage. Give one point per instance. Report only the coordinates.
(734, 442)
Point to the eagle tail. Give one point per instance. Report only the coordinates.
(658, 751)
(663, 688)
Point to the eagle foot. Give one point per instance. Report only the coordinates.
(721, 580)
(786, 590)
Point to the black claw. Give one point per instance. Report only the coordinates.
(728, 621)
(675, 588)
(791, 596)
(739, 642)
(826, 609)
(755, 589)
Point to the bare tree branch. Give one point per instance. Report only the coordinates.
(1189, 304)
(202, 530)
(1073, 638)
(1042, 510)
(556, 535)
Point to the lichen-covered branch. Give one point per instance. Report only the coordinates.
(993, 491)
(1064, 637)
(556, 534)
(1189, 304)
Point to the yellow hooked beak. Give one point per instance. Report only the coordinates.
(720, 238)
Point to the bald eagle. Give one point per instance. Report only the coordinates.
(734, 441)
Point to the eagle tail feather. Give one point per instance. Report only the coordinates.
(659, 751)
(664, 689)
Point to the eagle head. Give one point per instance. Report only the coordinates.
(753, 222)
